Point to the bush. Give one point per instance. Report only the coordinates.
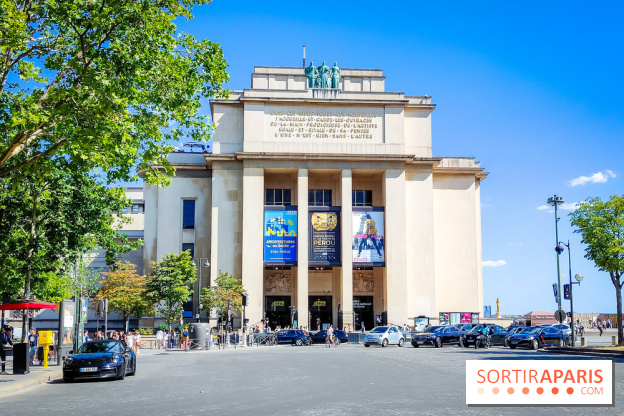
(146, 331)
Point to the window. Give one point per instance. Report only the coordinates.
(124, 210)
(319, 197)
(188, 214)
(136, 208)
(277, 197)
(190, 247)
(362, 198)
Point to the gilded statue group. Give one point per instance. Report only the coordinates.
(323, 76)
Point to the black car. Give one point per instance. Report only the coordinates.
(511, 331)
(431, 335)
(293, 337)
(320, 336)
(100, 359)
(538, 337)
(497, 335)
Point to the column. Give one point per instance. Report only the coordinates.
(253, 242)
(302, 247)
(346, 252)
(395, 272)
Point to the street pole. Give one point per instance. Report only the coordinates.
(571, 300)
(557, 200)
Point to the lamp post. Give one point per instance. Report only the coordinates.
(578, 278)
(557, 200)
(199, 288)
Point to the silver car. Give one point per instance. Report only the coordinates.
(384, 335)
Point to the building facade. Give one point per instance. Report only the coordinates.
(323, 196)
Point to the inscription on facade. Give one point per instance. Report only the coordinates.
(324, 125)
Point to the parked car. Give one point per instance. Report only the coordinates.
(100, 359)
(538, 337)
(293, 337)
(339, 336)
(511, 331)
(384, 335)
(431, 335)
(566, 328)
(469, 338)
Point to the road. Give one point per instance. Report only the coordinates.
(287, 380)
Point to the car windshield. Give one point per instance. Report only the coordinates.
(379, 330)
(99, 347)
(532, 330)
(433, 329)
(477, 328)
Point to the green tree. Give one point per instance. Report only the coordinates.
(106, 83)
(168, 287)
(601, 225)
(216, 297)
(125, 291)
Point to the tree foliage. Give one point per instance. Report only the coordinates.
(601, 225)
(125, 291)
(48, 219)
(216, 297)
(106, 83)
(169, 284)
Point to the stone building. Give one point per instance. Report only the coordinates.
(328, 200)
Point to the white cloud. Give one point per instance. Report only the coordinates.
(543, 207)
(599, 177)
(567, 206)
(493, 263)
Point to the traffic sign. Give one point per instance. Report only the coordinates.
(556, 292)
(560, 315)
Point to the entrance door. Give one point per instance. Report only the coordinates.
(363, 312)
(277, 311)
(320, 311)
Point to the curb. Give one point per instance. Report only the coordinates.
(19, 386)
(586, 352)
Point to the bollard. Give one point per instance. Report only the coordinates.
(614, 340)
(583, 342)
(46, 349)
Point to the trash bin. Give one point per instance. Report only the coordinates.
(199, 333)
(21, 358)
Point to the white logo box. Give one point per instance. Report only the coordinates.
(539, 382)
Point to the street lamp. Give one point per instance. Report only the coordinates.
(199, 288)
(578, 278)
(557, 200)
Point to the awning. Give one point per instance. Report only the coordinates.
(27, 304)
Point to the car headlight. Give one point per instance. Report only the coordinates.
(69, 360)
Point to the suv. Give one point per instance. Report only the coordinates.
(293, 337)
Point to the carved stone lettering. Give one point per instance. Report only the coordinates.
(363, 282)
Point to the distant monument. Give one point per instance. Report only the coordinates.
(498, 314)
(323, 76)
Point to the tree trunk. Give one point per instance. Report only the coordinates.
(618, 297)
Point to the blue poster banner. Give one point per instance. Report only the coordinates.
(280, 236)
(324, 236)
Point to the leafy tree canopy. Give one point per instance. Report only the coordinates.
(601, 225)
(216, 297)
(125, 291)
(169, 284)
(107, 83)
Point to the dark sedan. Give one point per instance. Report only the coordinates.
(497, 335)
(293, 337)
(100, 359)
(536, 337)
(431, 335)
(320, 336)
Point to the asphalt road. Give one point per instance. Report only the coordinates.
(285, 380)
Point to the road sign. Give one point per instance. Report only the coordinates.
(556, 292)
(560, 315)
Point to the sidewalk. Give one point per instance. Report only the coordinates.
(15, 383)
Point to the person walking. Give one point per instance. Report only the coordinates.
(137, 342)
(129, 340)
(600, 328)
(33, 343)
(5, 344)
(171, 339)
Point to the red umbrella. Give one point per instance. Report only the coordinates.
(27, 304)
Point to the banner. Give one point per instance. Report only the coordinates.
(280, 236)
(368, 237)
(324, 237)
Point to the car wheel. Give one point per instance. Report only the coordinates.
(477, 342)
(560, 343)
(366, 345)
(384, 343)
(298, 342)
(133, 372)
(337, 341)
(415, 345)
(401, 342)
(438, 342)
(506, 343)
(122, 373)
(534, 344)
(461, 343)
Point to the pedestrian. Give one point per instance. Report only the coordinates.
(159, 338)
(129, 341)
(33, 343)
(185, 335)
(600, 328)
(122, 336)
(171, 339)
(86, 336)
(137, 342)
(5, 344)
(99, 336)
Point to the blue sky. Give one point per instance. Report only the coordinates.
(532, 90)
